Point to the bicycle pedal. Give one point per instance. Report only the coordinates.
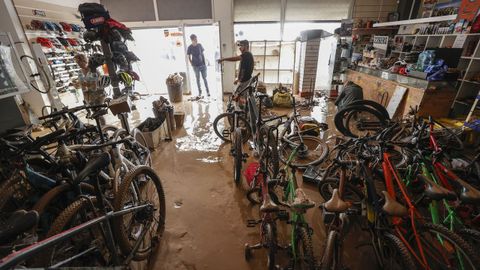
(252, 222)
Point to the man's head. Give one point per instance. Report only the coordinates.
(82, 60)
(243, 45)
(193, 38)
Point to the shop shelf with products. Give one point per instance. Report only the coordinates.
(274, 60)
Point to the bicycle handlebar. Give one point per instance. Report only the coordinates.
(72, 110)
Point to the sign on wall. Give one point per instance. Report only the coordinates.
(380, 42)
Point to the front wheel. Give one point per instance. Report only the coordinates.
(303, 253)
(330, 254)
(222, 125)
(271, 243)
(237, 155)
(395, 254)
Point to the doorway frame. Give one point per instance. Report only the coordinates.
(180, 24)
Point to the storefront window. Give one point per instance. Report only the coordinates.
(292, 30)
(257, 31)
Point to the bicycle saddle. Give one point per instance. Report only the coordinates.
(435, 191)
(268, 205)
(19, 222)
(93, 166)
(392, 207)
(468, 194)
(302, 202)
(336, 204)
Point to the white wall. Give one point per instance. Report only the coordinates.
(67, 3)
(223, 13)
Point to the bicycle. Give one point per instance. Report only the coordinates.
(104, 228)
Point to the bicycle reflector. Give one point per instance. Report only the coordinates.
(250, 172)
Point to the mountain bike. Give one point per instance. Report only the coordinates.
(89, 232)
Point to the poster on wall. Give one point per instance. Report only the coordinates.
(10, 82)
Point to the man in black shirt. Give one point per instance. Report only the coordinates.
(246, 64)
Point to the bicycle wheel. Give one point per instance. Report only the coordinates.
(222, 125)
(395, 254)
(140, 186)
(471, 236)
(370, 103)
(271, 242)
(443, 248)
(271, 150)
(304, 258)
(314, 151)
(356, 121)
(141, 151)
(330, 254)
(237, 155)
(76, 213)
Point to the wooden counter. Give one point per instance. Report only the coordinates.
(435, 100)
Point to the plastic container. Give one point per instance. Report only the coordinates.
(175, 92)
(179, 118)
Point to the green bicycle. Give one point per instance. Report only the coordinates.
(301, 246)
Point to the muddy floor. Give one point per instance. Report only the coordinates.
(206, 212)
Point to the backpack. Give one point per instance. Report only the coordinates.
(282, 99)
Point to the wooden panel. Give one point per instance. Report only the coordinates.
(437, 102)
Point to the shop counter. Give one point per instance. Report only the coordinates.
(432, 98)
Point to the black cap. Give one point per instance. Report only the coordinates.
(243, 43)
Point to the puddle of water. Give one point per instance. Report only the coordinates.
(210, 159)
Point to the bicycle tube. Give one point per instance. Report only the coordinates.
(238, 157)
(271, 242)
(329, 253)
(303, 253)
(377, 106)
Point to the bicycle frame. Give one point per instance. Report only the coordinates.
(21, 255)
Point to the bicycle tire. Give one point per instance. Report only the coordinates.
(317, 151)
(247, 131)
(471, 236)
(139, 138)
(330, 252)
(406, 260)
(272, 150)
(455, 241)
(305, 245)
(238, 156)
(62, 223)
(123, 237)
(370, 103)
(271, 242)
(341, 125)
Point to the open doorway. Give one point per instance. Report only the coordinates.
(208, 36)
(161, 52)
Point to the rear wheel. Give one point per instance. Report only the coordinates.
(140, 186)
(237, 155)
(267, 136)
(222, 125)
(271, 243)
(330, 253)
(304, 250)
(313, 152)
(358, 121)
(395, 254)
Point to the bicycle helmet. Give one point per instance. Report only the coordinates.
(125, 78)
(118, 46)
(115, 35)
(48, 26)
(45, 42)
(57, 43)
(58, 28)
(66, 27)
(120, 60)
(131, 57)
(95, 61)
(63, 41)
(134, 75)
(103, 81)
(90, 36)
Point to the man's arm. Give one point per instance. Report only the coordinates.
(231, 59)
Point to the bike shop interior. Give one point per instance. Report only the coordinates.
(240, 134)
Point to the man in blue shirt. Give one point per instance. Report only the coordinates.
(197, 60)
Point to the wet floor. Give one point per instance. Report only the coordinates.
(206, 212)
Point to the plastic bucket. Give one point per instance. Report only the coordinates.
(179, 118)
(175, 92)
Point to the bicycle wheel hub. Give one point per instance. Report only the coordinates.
(145, 214)
(302, 151)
